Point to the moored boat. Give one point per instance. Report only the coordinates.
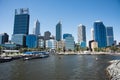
(5, 59)
(36, 56)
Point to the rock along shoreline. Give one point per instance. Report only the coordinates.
(114, 70)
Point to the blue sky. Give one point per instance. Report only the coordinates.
(70, 12)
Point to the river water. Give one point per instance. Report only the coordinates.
(58, 67)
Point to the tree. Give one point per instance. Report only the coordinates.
(59, 49)
(96, 50)
(77, 48)
(113, 48)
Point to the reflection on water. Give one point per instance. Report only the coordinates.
(60, 67)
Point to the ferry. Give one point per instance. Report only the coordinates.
(37, 55)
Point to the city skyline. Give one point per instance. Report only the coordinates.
(71, 13)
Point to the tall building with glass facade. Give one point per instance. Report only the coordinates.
(36, 28)
(32, 41)
(58, 31)
(66, 35)
(19, 39)
(51, 44)
(82, 35)
(92, 33)
(21, 21)
(47, 35)
(4, 37)
(110, 36)
(69, 43)
(100, 34)
(40, 43)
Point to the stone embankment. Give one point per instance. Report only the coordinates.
(114, 70)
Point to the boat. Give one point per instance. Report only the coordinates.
(5, 59)
(36, 56)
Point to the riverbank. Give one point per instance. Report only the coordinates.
(114, 70)
(85, 52)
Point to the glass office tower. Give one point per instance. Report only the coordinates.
(82, 35)
(19, 39)
(4, 37)
(69, 43)
(21, 21)
(100, 34)
(110, 36)
(66, 35)
(58, 31)
(32, 41)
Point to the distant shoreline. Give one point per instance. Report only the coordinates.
(89, 53)
(66, 53)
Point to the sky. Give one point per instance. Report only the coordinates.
(71, 13)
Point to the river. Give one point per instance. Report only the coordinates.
(58, 67)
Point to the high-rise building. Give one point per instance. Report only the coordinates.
(4, 37)
(60, 44)
(59, 31)
(51, 44)
(21, 21)
(32, 41)
(110, 36)
(83, 44)
(19, 39)
(66, 35)
(36, 28)
(100, 34)
(81, 33)
(92, 33)
(69, 43)
(47, 35)
(41, 43)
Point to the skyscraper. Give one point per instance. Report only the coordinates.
(32, 41)
(92, 33)
(59, 31)
(69, 43)
(19, 39)
(100, 34)
(4, 37)
(81, 34)
(47, 35)
(110, 36)
(51, 44)
(37, 28)
(21, 21)
(67, 35)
